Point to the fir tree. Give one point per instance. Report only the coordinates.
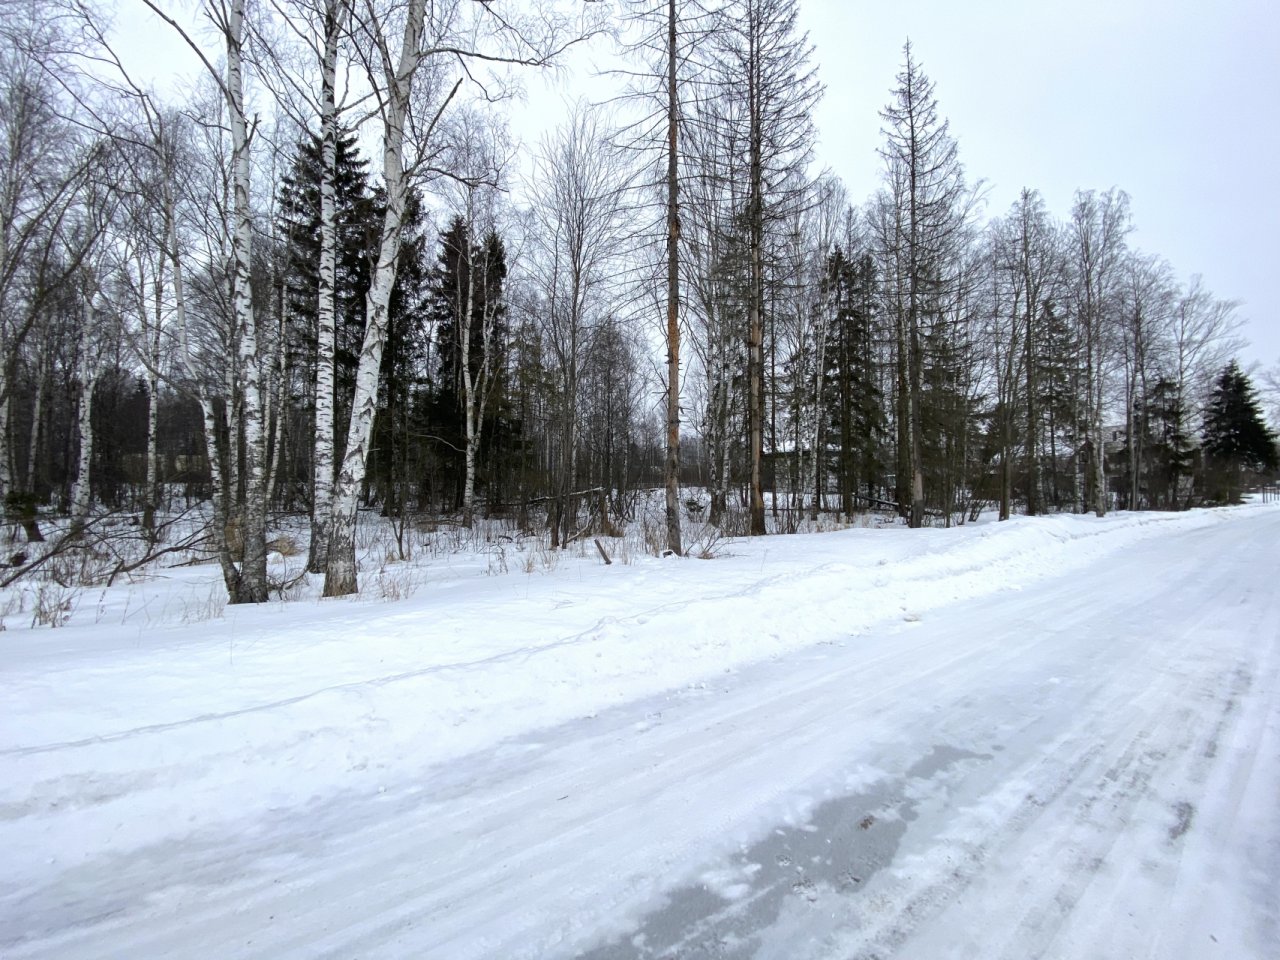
(1058, 403)
(1168, 450)
(299, 201)
(452, 291)
(854, 399)
(925, 207)
(359, 213)
(1236, 439)
(299, 223)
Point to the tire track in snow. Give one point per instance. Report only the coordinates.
(1104, 791)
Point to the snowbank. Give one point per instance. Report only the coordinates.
(114, 736)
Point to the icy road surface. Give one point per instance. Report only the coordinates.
(1087, 766)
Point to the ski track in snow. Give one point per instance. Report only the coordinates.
(1051, 738)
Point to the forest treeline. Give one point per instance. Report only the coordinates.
(325, 279)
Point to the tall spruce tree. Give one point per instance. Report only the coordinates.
(323, 402)
(925, 196)
(1169, 450)
(359, 210)
(854, 397)
(1236, 437)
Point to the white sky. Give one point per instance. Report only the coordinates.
(1171, 100)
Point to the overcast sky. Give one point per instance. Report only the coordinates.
(1173, 101)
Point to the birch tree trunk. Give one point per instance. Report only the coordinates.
(1079, 431)
(151, 490)
(87, 375)
(208, 415)
(1133, 439)
(323, 453)
(478, 387)
(1100, 447)
(1097, 471)
(470, 425)
(671, 467)
(248, 584)
(252, 585)
(340, 571)
(819, 472)
(220, 499)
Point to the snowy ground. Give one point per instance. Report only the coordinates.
(1047, 738)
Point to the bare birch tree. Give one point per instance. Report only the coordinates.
(1024, 275)
(1038, 261)
(46, 165)
(227, 18)
(416, 58)
(479, 161)
(575, 238)
(1147, 297)
(1098, 228)
(301, 57)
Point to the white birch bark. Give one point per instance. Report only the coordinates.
(7, 348)
(1079, 433)
(248, 583)
(252, 586)
(477, 387)
(208, 416)
(151, 493)
(152, 343)
(232, 468)
(1100, 444)
(341, 571)
(323, 452)
(87, 375)
(468, 385)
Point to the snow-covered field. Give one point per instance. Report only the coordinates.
(1056, 737)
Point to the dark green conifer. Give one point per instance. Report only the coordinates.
(1236, 438)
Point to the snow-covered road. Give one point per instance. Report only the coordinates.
(1085, 767)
